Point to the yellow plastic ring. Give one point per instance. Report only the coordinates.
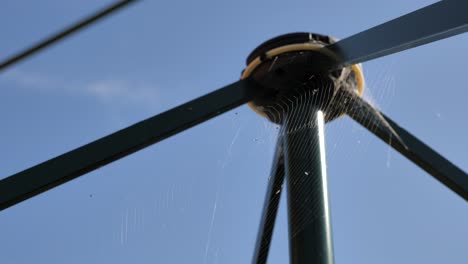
(356, 68)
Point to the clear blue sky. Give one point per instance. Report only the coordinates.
(197, 197)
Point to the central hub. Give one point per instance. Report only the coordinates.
(294, 70)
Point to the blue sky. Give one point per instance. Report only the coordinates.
(197, 196)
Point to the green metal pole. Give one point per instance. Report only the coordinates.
(310, 237)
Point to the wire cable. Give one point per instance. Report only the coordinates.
(66, 32)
